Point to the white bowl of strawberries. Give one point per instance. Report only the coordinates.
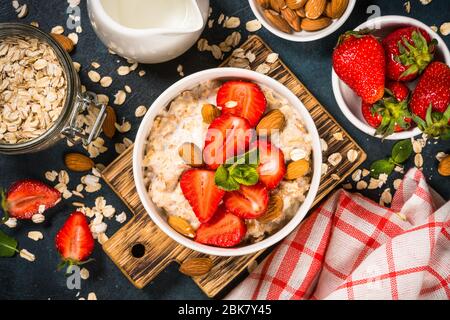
(391, 78)
(227, 161)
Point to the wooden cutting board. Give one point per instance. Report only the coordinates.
(141, 250)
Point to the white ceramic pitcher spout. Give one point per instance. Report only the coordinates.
(148, 31)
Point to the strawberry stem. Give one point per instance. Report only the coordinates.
(435, 123)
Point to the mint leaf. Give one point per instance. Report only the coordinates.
(245, 174)
(381, 166)
(401, 151)
(8, 245)
(224, 180)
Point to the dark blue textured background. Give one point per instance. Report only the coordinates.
(311, 62)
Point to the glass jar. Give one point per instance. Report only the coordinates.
(75, 102)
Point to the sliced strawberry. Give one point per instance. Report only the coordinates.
(249, 202)
(201, 192)
(227, 137)
(248, 98)
(25, 197)
(74, 241)
(272, 167)
(224, 230)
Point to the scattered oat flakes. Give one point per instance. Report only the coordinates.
(127, 88)
(324, 168)
(232, 23)
(38, 218)
(361, 185)
(356, 176)
(347, 186)
(425, 2)
(202, 45)
(94, 76)
(418, 160)
(124, 127)
(407, 6)
(27, 255)
(141, 73)
(35, 235)
(397, 183)
(11, 223)
(352, 155)
(119, 147)
(84, 273)
(123, 70)
(74, 37)
(417, 146)
(77, 66)
(253, 25)
(324, 145)
(95, 65)
(180, 70)
(51, 175)
(386, 197)
(22, 11)
(102, 98)
(445, 28)
(92, 296)
(216, 52)
(338, 136)
(106, 82)
(373, 184)
(15, 4)
(221, 18)
(263, 68)
(78, 29)
(365, 172)
(140, 111)
(335, 177)
(335, 159)
(434, 28)
(120, 97)
(440, 155)
(57, 30)
(121, 218)
(250, 56)
(272, 57)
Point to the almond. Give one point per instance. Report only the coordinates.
(337, 8)
(264, 3)
(181, 226)
(444, 167)
(295, 4)
(314, 25)
(292, 18)
(196, 266)
(191, 154)
(64, 42)
(328, 12)
(277, 5)
(272, 121)
(109, 125)
(297, 169)
(301, 12)
(209, 113)
(78, 162)
(277, 21)
(274, 209)
(315, 8)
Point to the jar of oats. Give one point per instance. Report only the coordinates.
(41, 101)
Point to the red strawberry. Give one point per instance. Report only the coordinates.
(390, 114)
(359, 61)
(431, 100)
(227, 137)
(201, 192)
(249, 98)
(409, 50)
(249, 202)
(272, 167)
(26, 196)
(224, 230)
(74, 241)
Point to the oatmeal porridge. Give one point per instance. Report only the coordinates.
(182, 122)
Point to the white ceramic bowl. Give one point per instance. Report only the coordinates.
(302, 36)
(188, 83)
(350, 103)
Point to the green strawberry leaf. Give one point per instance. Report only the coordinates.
(224, 180)
(401, 151)
(8, 245)
(381, 166)
(245, 174)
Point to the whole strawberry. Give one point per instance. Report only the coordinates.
(430, 102)
(359, 61)
(409, 50)
(391, 113)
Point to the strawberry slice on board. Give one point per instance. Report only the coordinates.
(201, 192)
(227, 137)
(249, 202)
(74, 240)
(26, 198)
(224, 230)
(243, 99)
(272, 167)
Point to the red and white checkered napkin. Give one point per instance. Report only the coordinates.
(352, 248)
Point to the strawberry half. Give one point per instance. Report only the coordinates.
(409, 50)
(249, 202)
(250, 102)
(224, 230)
(227, 137)
(430, 102)
(25, 197)
(201, 192)
(390, 114)
(272, 167)
(74, 241)
(359, 60)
